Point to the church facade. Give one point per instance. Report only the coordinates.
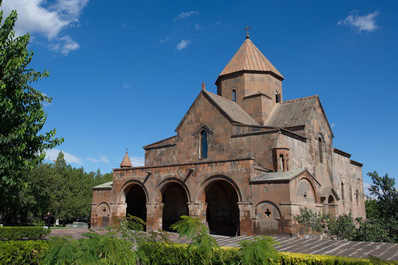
(244, 160)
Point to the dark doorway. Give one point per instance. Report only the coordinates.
(222, 213)
(136, 202)
(175, 201)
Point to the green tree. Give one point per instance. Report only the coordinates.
(383, 188)
(383, 212)
(22, 116)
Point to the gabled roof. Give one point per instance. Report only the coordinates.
(291, 113)
(295, 112)
(228, 108)
(249, 58)
(285, 176)
(233, 110)
(278, 176)
(168, 142)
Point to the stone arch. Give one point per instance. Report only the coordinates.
(125, 188)
(320, 135)
(174, 196)
(103, 214)
(203, 127)
(267, 216)
(200, 196)
(103, 209)
(221, 196)
(331, 206)
(305, 192)
(167, 181)
(135, 198)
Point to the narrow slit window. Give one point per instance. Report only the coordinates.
(281, 163)
(233, 95)
(356, 195)
(320, 150)
(342, 191)
(203, 144)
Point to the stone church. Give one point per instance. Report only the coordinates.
(244, 160)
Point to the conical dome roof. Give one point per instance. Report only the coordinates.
(249, 58)
(126, 161)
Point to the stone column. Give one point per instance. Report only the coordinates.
(118, 211)
(245, 218)
(288, 211)
(154, 216)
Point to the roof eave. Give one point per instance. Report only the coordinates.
(279, 77)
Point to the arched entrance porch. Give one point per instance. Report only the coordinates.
(136, 202)
(175, 204)
(222, 213)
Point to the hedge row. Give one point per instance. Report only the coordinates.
(160, 254)
(22, 252)
(33, 252)
(20, 233)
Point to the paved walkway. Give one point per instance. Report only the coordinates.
(356, 249)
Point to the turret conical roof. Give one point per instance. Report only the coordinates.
(250, 58)
(126, 161)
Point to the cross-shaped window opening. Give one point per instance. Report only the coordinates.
(267, 212)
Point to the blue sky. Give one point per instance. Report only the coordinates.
(123, 73)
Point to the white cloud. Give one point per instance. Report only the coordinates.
(137, 161)
(197, 26)
(182, 44)
(52, 155)
(64, 45)
(333, 124)
(186, 14)
(361, 23)
(165, 40)
(48, 21)
(70, 9)
(101, 158)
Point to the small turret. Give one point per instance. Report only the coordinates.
(126, 163)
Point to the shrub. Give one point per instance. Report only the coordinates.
(259, 251)
(304, 259)
(20, 233)
(93, 249)
(22, 252)
(173, 254)
(202, 244)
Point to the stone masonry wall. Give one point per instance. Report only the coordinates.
(348, 180)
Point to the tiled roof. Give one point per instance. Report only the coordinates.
(249, 58)
(292, 113)
(231, 109)
(277, 176)
(107, 185)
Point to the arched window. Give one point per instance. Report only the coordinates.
(233, 95)
(281, 163)
(203, 144)
(320, 150)
(277, 97)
